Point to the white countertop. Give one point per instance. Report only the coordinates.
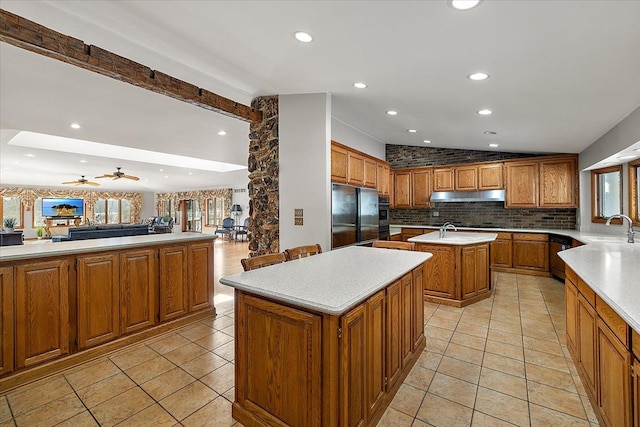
(331, 282)
(612, 270)
(457, 238)
(46, 248)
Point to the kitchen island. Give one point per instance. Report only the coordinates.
(327, 340)
(459, 272)
(63, 303)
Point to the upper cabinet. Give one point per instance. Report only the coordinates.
(355, 165)
(370, 173)
(339, 160)
(443, 179)
(470, 177)
(466, 178)
(384, 178)
(402, 189)
(421, 187)
(522, 184)
(349, 166)
(490, 176)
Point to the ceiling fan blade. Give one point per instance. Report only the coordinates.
(135, 178)
(70, 182)
(93, 184)
(104, 176)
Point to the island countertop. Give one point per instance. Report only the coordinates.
(455, 238)
(612, 270)
(331, 282)
(49, 249)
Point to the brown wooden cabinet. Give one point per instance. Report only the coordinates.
(466, 178)
(522, 184)
(417, 313)
(490, 176)
(393, 296)
(502, 251)
(138, 283)
(586, 349)
(559, 183)
(6, 320)
(42, 311)
(443, 179)
(173, 282)
(353, 351)
(531, 251)
(407, 294)
(376, 352)
(571, 306)
(384, 179)
(402, 189)
(339, 163)
(441, 271)
(355, 169)
(370, 173)
(636, 393)
(475, 270)
(98, 285)
(614, 391)
(200, 276)
(421, 186)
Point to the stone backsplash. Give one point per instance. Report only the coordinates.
(485, 214)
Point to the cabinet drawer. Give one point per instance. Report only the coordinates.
(587, 292)
(635, 344)
(613, 320)
(571, 275)
(531, 236)
(504, 236)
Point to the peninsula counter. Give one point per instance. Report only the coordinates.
(327, 340)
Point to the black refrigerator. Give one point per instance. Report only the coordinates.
(354, 215)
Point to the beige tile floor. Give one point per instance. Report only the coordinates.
(502, 361)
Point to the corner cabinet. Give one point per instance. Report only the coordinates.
(6, 320)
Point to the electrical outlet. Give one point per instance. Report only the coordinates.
(435, 213)
(297, 212)
(297, 221)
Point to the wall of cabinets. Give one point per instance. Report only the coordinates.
(349, 166)
(602, 345)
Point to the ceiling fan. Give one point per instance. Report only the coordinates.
(82, 181)
(117, 175)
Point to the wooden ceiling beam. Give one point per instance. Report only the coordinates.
(25, 34)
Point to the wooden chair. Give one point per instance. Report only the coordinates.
(386, 244)
(302, 251)
(262, 261)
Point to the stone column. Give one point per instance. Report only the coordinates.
(263, 165)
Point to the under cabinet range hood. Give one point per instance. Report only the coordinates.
(468, 196)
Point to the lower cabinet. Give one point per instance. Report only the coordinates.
(376, 373)
(636, 393)
(587, 342)
(475, 270)
(441, 271)
(394, 333)
(200, 276)
(173, 282)
(353, 367)
(138, 284)
(41, 311)
(6, 320)
(502, 251)
(531, 251)
(98, 282)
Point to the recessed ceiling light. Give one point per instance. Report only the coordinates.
(303, 37)
(30, 155)
(160, 170)
(84, 161)
(360, 85)
(490, 132)
(75, 126)
(493, 145)
(392, 113)
(478, 76)
(190, 173)
(222, 133)
(464, 4)
(627, 157)
(426, 141)
(166, 176)
(412, 130)
(485, 112)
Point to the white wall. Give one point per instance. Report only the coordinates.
(148, 205)
(620, 137)
(305, 169)
(351, 137)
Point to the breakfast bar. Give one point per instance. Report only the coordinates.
(328, 339)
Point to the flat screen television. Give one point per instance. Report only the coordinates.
(62, 207)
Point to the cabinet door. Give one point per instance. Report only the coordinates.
(614, 369)
(138, 283)
(571, 302)
(440, 270)
(338, 164)
(502, 253)
(98, 299)
(521, 185)
(383, 179)
(531, 254)
(173, 282)
(483, 276)
(466, 178)
(370, 172)
(421, 185)
(405, 312)
(443, 179)
(490, 177)
(376, 349)
(587, 342)
(558, 183)
(42, 311)
(402, 189)
(636, 393)
(353, 367)
(6, 320)
(417, 314)
(200, 276)
(468, 272)
(355, 163)
(394, 333)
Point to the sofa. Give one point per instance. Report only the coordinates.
(102, 231)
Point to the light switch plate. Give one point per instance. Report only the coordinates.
(297, 212)
(297, 221)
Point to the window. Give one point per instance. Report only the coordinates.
(214, 211)
(11, 207)
(168, 208)
(606, 193)
(112, 211)
(634, 191)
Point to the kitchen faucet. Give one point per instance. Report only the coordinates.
(630, 233)
(442, 231)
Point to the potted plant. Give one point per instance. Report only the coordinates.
(9, 224)
(40, 232)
